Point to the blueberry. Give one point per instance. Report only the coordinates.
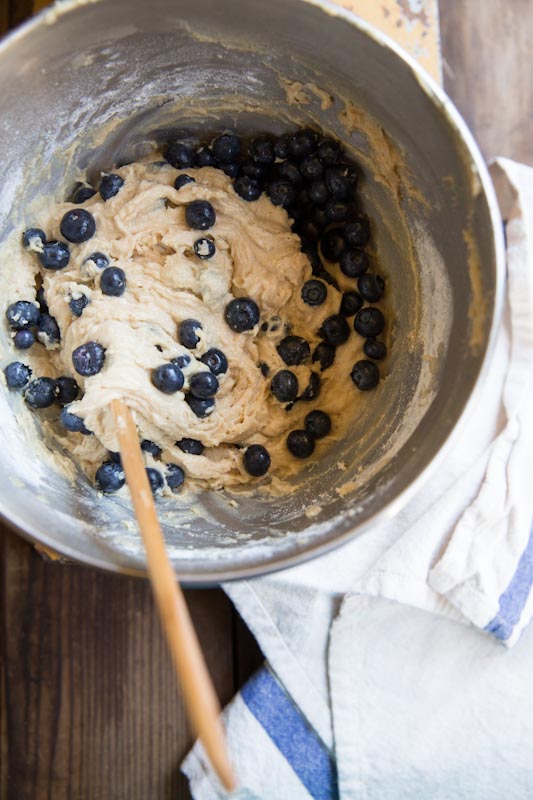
(256, 460)
(281, 146)
(183, 180)
(72, 422)
(200, 215)
(55, 255)
(77, 226)
(329, 151)
(288, 171)
(41, 392)
(311, 168)
(110, 185)
(300, 444)
(247, 188)
(293, 350)
(48, 330)
(312, 390)
(168, 378)
(318, 424)
(261, 151)
(303, 203)
(204, 158)
(216, 361)
(113, 281)
(109, 477)
(100, 260)
(374, 349)
(201, 407)
(351, 303)
(314, 292)
(265, 369)
(241, 314)
(155, 479)
(67, 390)
(332, 244)
(175, 476)
(357, 232)
(88, 359)
(369, 322)
(335, 330)
(82, 192)
(34, 239)
(23, 339)
(318, 193)
(179, 155)
(232, 169)
(302, 143)
(226, 148)
(17, 375)
(181, 361)
(353, 262)
(319, 219)
(204, 248)
(305, 228)
(204, 385)
(337, 182)
(187, 333)
(148, 446)
(337, 210)
(284, 386)
(114, 457)
(22, 314)
(371, 287)
(191, 446)
(252, 170)
(281, 193)
(365, 375)
(77, 304)
(324, 353)
(351, 173)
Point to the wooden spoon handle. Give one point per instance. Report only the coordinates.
(200, 697)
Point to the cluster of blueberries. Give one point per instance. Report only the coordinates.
(312, 180)
(32, 319)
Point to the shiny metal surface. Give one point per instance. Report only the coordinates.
(92, 85)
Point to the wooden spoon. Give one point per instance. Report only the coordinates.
(200, 698)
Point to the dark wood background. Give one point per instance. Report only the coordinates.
(89, 709)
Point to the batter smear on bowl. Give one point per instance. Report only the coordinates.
(225, 295)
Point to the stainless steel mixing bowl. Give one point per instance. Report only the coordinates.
(90, 84)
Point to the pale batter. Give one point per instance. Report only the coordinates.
(143, 231)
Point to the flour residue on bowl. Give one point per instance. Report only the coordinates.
(190, 79)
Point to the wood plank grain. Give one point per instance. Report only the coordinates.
(91, 707)
(19, 10)
(4, 17)
(487, 50)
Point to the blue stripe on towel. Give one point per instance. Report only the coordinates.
(292, 735)
(513, 600)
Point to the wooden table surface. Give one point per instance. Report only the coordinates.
(89, 709)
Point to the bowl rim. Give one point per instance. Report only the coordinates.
(312, 550)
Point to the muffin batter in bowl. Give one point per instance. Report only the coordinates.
(192, 304)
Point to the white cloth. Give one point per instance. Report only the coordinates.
(371, 646)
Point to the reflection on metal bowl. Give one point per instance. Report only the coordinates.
(90, 85)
